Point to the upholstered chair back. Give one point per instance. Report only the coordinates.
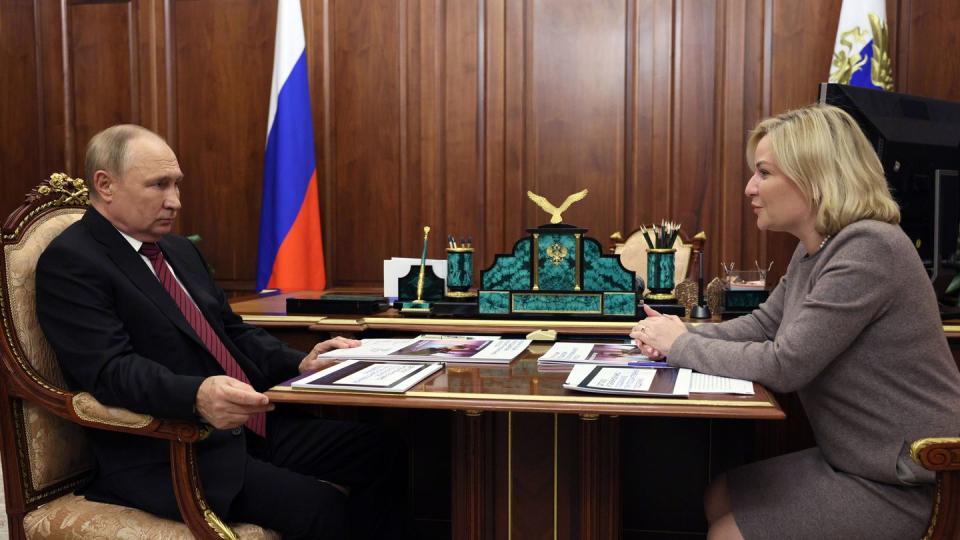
(56, 452)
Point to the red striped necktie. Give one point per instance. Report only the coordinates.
(257, 421)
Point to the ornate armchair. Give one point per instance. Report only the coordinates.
(942, 455)
(45, 456)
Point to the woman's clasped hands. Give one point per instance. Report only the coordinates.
(656, 334)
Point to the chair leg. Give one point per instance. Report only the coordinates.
(945, 522)
(201, 520)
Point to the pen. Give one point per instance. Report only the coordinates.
(648, 363)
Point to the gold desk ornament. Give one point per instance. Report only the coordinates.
(420, 305)
(423, 265)
(556, 211)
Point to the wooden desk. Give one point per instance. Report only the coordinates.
(577, 493)
(520, 387)
(529, 459)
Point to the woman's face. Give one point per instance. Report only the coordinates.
(776, 200)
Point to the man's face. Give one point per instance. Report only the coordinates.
(143, 202)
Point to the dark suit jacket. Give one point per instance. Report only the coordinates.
(120, 336)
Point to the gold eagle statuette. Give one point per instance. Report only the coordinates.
(556, 211)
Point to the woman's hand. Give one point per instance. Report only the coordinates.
(656, 334)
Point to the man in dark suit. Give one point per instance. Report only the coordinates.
(137, 320)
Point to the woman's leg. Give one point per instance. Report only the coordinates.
(724, 528)
(716, 500)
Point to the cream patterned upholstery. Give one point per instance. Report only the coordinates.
(57, 448)
(73, 517)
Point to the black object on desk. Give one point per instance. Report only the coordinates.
(336, 304)
(737, 303)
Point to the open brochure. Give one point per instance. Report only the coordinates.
(610, 354)
(626, 380)
(365, 376)
(458, 349)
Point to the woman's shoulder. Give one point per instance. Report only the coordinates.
(873, 235)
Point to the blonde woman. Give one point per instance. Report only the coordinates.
(853, 328)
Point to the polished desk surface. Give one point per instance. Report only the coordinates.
(520, 387)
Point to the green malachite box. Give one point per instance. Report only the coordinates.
(556, 270)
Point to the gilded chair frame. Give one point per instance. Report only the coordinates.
(942, 455)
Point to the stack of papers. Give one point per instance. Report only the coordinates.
(643, 381)
(361, 376)
(463, 349)
(650, 381)
(563, 355)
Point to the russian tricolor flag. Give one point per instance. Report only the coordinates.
(291, 245)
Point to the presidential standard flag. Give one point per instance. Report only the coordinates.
(290, 255)
(861, 54)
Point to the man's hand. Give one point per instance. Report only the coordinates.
(226, 403)
(311, 363)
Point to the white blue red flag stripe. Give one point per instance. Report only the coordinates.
(290, 254)
(861, 52)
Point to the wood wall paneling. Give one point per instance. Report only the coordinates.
(223, 65)
(739, 106)
(462, 179)
(444, 112)
(650, 106)
(103, 71)
(575, 122)
(693, 190)
(21, 108)
(365, 89)
(930, 65)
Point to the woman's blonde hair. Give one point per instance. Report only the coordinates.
(822, 149)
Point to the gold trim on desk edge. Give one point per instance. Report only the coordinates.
(300, 390)
(331, 322)
(951, 328)
(311, 319)
(515, 397)
(588, 399)
(410, 321)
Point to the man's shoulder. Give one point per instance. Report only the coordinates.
(75, 239)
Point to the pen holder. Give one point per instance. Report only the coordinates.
(460, 272)
(660, 274)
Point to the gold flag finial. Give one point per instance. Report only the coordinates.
(556, 211)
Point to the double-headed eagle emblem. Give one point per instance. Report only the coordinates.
(555, 211)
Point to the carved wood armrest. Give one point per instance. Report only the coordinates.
(937, 453)
(88, 411)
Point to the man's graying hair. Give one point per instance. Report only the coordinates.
(107, 151)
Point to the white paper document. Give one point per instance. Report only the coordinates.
(632, 380)
(714, 384)
(644, 381)
(470, 349)
(611, 354)
(379, 374)
(365, 376)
